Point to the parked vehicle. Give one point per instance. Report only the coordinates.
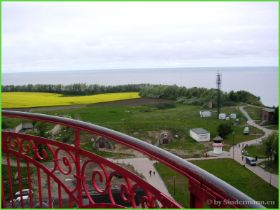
(105, 198)
(246, 131)
(17, 201)
(26, 203)
(251, 161)
(24, 192)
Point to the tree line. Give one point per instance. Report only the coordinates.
(193, 96)
(198, 95)
(72, 89)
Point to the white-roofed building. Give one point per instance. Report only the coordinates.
(200, 134)
(222, 116)
(205, 113)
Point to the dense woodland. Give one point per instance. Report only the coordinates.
(198, 96)
(194, 96)
(73, 89)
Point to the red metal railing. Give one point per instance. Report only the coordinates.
(50, 164)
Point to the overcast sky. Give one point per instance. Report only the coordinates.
(94, 35)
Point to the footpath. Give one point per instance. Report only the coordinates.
(144, 166)
(236, 152)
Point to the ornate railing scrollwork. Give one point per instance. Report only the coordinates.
(65, 175)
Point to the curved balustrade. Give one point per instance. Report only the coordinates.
(55, 163)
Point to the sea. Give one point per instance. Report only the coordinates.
(261, 81)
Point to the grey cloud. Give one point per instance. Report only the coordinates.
(110, 35)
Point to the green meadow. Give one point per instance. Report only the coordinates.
(135, 119)
(146, 121)
(143, 121)
(234, 174)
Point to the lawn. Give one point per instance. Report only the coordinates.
(272, 127)
(181, 192)
(190, 145)
(241, 178)
(35, 99)
(87, 145)
(254, 112)
(11, 122)
(140, 121)
(255, 150)
(234, 174)
(270, 166)
(238, 136)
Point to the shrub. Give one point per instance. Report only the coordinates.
(271, 146)
(224, 129)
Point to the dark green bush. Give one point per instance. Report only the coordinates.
(224, 129)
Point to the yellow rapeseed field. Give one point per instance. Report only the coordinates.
(35, 99)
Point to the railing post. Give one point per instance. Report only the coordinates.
(195, 201)
(196, 195)
(78, 174)
(3, 196)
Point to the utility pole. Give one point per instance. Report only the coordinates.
(233, 133)
(219, 82)
(270, 178)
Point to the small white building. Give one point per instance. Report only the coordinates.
(23, 127)
(200, 134)
(222, 116)
(232, 116)
(205, 113)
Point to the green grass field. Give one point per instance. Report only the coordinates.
(254, 112)
(180, 193)
(255, 150)
(270, 166)
(241, 178)
(234, 174)
(32, 99)
(141, 120)
(138, 121)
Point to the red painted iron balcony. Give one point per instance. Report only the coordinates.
(51, 165)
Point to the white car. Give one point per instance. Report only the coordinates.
(25, 197)
(24, 192)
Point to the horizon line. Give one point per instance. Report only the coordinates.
(152, 68)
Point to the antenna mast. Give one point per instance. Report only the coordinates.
(218, 82)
